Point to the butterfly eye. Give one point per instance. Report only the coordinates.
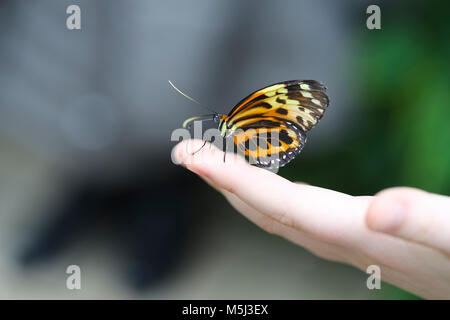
(216, 118)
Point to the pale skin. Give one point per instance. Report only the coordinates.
(405, 231)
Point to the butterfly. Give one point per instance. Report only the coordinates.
(269, 126)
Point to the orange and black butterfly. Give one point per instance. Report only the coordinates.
(269, 126)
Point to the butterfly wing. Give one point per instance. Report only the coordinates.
(302, 102)
(289, 108)
(269, 146)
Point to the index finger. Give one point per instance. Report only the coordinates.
(304, 207)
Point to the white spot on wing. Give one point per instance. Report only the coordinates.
(304, 86)
(306, 94)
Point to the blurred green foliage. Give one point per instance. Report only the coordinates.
(400, 134)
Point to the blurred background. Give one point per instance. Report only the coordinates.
(86, 117)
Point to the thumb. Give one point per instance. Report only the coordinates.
(413, 215)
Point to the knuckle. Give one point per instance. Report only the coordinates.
(285, 214)
(268, 226)
(231, 188)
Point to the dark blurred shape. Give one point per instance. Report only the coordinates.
(145, 217)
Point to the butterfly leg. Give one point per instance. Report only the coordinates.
(204, 143)
(211, 142)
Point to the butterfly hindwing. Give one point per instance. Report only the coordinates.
(269, 146)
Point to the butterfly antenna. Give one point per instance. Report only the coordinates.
(187, 97)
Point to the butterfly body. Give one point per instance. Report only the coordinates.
(269, 126)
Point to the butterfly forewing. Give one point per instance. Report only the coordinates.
(301, 102)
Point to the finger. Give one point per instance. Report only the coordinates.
(331, 214)
(413, 215)
(320, 248)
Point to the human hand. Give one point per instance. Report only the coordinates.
(404, 231)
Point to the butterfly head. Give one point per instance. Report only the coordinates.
(187, 124)
(224, 126)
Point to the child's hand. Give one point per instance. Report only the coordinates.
(405, 231)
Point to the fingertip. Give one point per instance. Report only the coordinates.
(203, 158)
(225, 171)
(178, 153)
(185, 150)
